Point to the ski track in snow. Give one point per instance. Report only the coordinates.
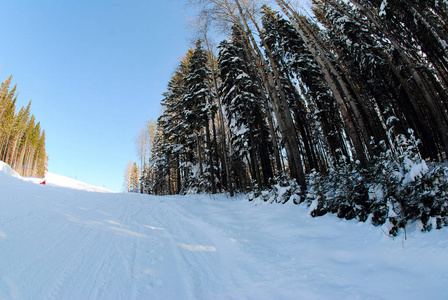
(59, 243)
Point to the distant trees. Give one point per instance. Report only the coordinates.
(22, 142)
(132, 178)
(144, 143)
(289, 95)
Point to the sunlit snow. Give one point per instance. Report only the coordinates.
(65, 243)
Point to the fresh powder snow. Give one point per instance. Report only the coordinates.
(68, 240)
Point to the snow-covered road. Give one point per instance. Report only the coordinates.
(59, 243)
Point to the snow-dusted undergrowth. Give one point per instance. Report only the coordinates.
(59, 243)
(396, 190)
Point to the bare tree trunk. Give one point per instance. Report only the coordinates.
(223, 135)
(278, 162)
(21, 156)
(210, 157)
(215, 153)
(178, 176)
(199, 149)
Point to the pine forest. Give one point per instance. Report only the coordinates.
(22, 141)
(224, 149)
(342, 107)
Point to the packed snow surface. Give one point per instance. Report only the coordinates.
(61, 243)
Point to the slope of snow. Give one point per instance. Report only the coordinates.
(5, 168)
(67, 182)
(55, 180)
(58, 243)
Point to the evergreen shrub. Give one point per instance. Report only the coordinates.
(395, 189)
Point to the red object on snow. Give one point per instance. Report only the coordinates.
(44, 182)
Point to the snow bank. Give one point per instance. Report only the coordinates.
(5, 168)
(63, 181)
(54, 180)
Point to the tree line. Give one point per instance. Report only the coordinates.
(137, 176)
(293, 91)
(22, 141)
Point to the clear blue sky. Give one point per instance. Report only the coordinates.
(95, 71)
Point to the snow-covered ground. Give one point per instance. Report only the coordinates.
(55, 180)
(62, 243)
(62, 181)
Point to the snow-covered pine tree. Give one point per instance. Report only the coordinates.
(245, 15)
(275, 37)
(183, 156)
(242, 98)
(169, 146)
(367, 53)
(197, 105)
(160, 183)
(361, 56)
(292, 55)
(425, 25)
(406, 27)
(354, 114)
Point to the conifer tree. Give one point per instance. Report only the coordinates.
(294, 56)
(40, 161)
(22, 145)
(320, 93)
(171, 135)
(159, 161)
(198, 109)
(382, 50)
(134, 179)
(242, 98)
(20, 122)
